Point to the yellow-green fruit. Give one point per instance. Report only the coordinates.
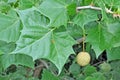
(105, 67)
(83, 58)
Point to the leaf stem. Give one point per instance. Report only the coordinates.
(84, 40)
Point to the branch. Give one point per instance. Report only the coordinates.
(88, 7)
(94, 8)
(38, 69)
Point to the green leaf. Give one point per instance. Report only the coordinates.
(38, 41)
(112, 3)
(7, 59)
(4, 78)
(71, 9)
(4, 7)
(9, 28)
(113, 54)
(115, 65)
(74, 69)
(99, 38)
(99, 76)
(103, 7)
(90, 78)
(85, 16)
(113, 28)
(12, 1)
(24, 4)
(48, 76)
(21, 73)
(96, 76)
(88, 70)
(114, 74)
(7, 47)
(87, 2)
(56, 11)
(74, 30)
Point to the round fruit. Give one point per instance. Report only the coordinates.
(105, 67)
(83, 58)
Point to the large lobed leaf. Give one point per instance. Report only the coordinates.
(100, 39)
(104, 36)
(113, 27)
(39, 41)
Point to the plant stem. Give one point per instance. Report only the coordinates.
(84, 40)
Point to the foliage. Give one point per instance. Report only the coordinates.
(49, 29)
